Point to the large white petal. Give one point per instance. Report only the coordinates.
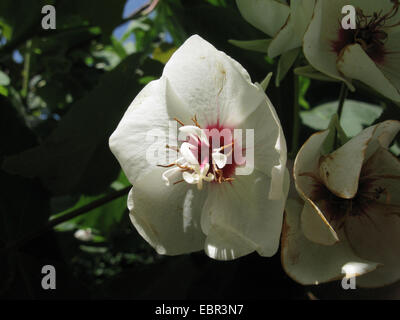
(376, 233)
(168, 218)
(383, 276)
(377, 237)
(291, 34)
(144, 130)
(220, 88)
(266, 15)
(371, 6)
(309, 263)
(270, 153)
(356, 64)
(320, 35)
(247, 219)
(391, 63)
(383, 168)
(306, 177)
(224, 244)
(325, 29)
(307, 161)
(340, 170)
(315, 226)
(383, 136)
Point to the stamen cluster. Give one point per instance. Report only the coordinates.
(198, 158)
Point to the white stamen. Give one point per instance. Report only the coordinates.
(187, 154)
(219, 159)
(192, 171)
(199, 174)
(190, 177)
(196, 133)
(166, 176)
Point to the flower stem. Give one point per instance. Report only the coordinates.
(147, 8)
(26, 71)
(65, 217)
(342, 98)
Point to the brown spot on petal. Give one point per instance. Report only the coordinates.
(285, 233)
(294, 258)
(344, 38)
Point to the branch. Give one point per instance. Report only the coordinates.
(72, 214)
(342, 97)
(143, 10)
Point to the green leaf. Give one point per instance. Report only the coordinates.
(168, 19)
(286, 61)
(64, 40)
(3, 91)
(100, 13)
(309, 72)
(264, 84)
(304, 85)
(4, 79)
(260, 45)
(146, 32)
(163, 52)
(118, 47)
(15, 22)
(75, 158)
(104, 219)
(217, 3)
(356, 115)
(135, 25)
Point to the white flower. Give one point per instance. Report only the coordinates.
(350, 219)
(198, 201)
(285, 24)
(370, 53)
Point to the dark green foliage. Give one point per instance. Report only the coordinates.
(69, 160)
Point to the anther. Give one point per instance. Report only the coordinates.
(179, 121)
(172, 148)
(226, 146)
(166, 166)
(194, 119)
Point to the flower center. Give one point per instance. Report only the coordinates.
(369, 33)
(337, 209)
(206, 155)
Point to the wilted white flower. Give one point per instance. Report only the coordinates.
(369, 53)
(284, 23)
(199, 200)
(350, 218)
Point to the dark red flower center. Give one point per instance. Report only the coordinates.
(370, 34)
